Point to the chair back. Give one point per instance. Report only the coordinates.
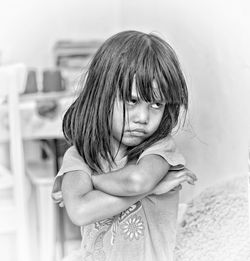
(12, 82)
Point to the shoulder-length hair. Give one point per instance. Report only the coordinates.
(87, 124)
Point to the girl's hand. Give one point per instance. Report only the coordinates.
(58, 198)
(173, 180)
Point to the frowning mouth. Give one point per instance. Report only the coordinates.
(137, 132)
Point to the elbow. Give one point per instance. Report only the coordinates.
(137, 184)
(79, 217)
(76, 218)
(78, 221)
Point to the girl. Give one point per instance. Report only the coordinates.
(115, 177)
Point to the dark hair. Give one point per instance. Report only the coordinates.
(87, 123)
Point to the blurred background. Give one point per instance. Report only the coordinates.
(55, 40)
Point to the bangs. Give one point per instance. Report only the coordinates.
(157, 76)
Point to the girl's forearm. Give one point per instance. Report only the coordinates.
(97, 205)
(118, 183)
(133, 179)
(113, 185)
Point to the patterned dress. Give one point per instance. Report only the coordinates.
(145, 231)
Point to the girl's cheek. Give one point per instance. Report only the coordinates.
(157, 113)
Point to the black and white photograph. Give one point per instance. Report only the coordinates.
(125, 130)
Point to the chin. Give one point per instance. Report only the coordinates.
(131, 142)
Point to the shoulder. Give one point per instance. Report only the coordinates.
(166, 148)
(165, 144)
(74, 165)
(72, 161)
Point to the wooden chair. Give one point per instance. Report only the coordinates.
(14, 214)
(18, 180)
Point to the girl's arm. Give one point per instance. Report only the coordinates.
(133, 179)
(150, 175)
(85, 205)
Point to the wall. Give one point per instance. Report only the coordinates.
(212, 42)
(213, 45)
(30, 28)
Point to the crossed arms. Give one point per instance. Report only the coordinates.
(88, 200)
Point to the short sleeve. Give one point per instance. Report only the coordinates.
(72, 161)
(167, 149)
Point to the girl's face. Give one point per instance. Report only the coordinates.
(142, 119)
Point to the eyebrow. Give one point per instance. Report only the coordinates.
(137, 97)
(160, 101)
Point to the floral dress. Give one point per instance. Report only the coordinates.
(145, 231)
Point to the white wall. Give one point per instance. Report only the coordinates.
(212, 41)
(30, 28)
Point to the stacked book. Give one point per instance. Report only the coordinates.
(73, 59)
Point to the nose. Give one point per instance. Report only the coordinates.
(141, 114)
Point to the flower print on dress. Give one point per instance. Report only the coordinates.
(133, 228)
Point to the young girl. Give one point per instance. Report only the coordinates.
(115, 181)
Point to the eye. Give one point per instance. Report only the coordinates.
(157, 105)
(133, 101)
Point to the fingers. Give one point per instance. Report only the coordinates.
(175, 189)
(184, 175)
(186, 172)
(172, 182)
(187, 178)
(179, 187)
(61, 204)
(58, 198)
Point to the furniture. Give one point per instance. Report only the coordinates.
(26, 123)
(35, 126)
(41, 177)
(14, 210)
